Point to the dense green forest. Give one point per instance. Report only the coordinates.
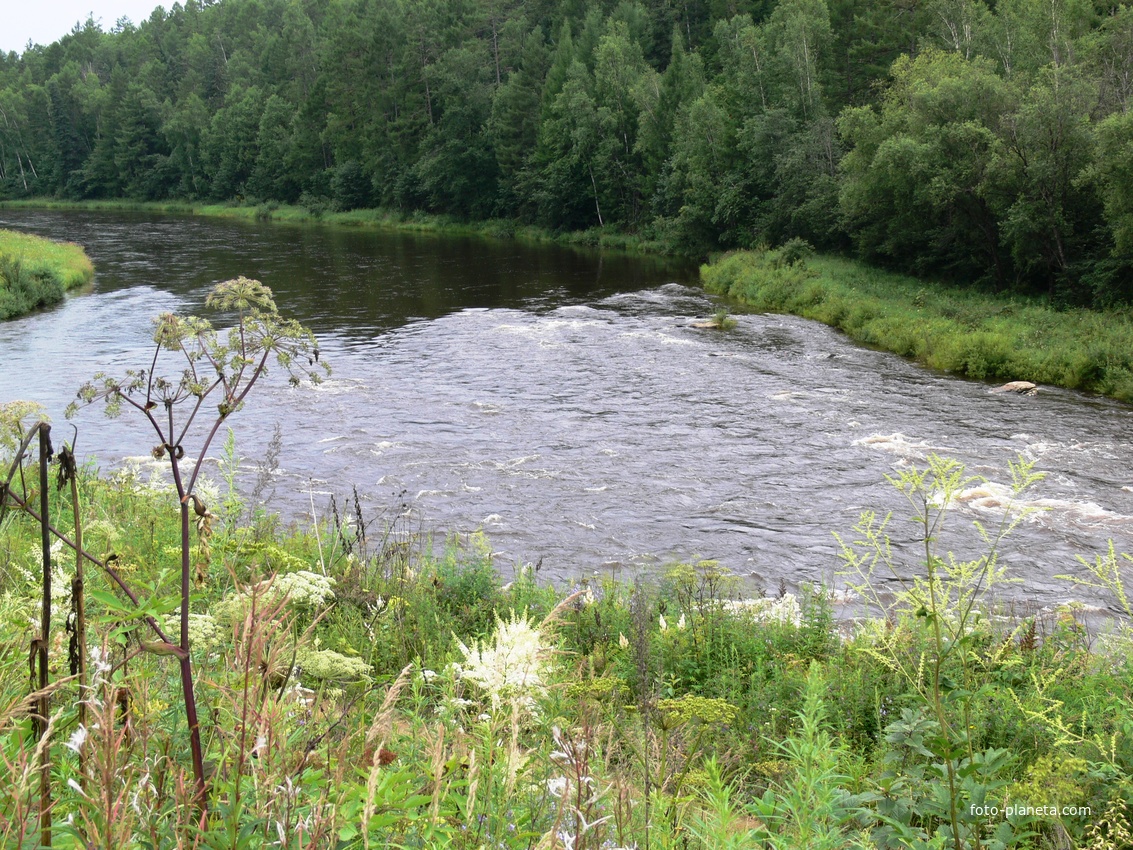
(987, 143)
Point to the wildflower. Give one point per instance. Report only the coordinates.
(681, 621)
(785, 610)
(428, 675)
(510, 668)
(204, 633)
(664, 625)
(623, 642)
(77, 739)
(326, 664)
(99, 665)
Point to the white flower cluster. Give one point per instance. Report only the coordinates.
(328, 665)
(305, 588)
(509, 669)
(144, 474)
(783, 610)
(204, 632)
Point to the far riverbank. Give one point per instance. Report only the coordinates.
(976, 335)
(375, 219)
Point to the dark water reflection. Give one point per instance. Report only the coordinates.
(562, 402)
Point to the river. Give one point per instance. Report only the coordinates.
(563, 403)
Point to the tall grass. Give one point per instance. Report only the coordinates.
(980, 336)
(35, 272)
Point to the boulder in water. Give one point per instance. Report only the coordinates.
(1018, 387)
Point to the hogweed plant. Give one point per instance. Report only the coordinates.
(186, 412)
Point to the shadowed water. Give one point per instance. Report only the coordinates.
(563, 403)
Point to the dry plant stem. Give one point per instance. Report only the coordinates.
(78, 594)
(44, 710)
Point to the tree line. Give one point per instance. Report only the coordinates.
(978, 142)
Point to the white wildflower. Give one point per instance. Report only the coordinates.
(99, 665)
(204, 633)
(510, 669)
(681, 621)
(328, 665)
(784, 610)
(623, 642)
(664, 625)
(302, 589)
(77, 739)
(428, 675)
(305, 588)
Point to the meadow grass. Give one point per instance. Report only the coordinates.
(362, 688)
(35, 272)
(966, 332)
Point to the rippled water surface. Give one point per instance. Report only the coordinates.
(563, 403)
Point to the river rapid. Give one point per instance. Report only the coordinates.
(563, 403)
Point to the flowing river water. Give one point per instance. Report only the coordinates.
(563, 403)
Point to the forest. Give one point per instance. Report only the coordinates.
(978, 143)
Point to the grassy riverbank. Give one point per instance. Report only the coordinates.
(35, 272)
(378, 694)
(376, 219)
(981, 336)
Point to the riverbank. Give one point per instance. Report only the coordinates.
(968, 333)
(407, 698)
(36, 272)
(376, 219)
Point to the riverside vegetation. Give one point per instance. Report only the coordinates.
(356, 687)
(35, 272)
(980, 336)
